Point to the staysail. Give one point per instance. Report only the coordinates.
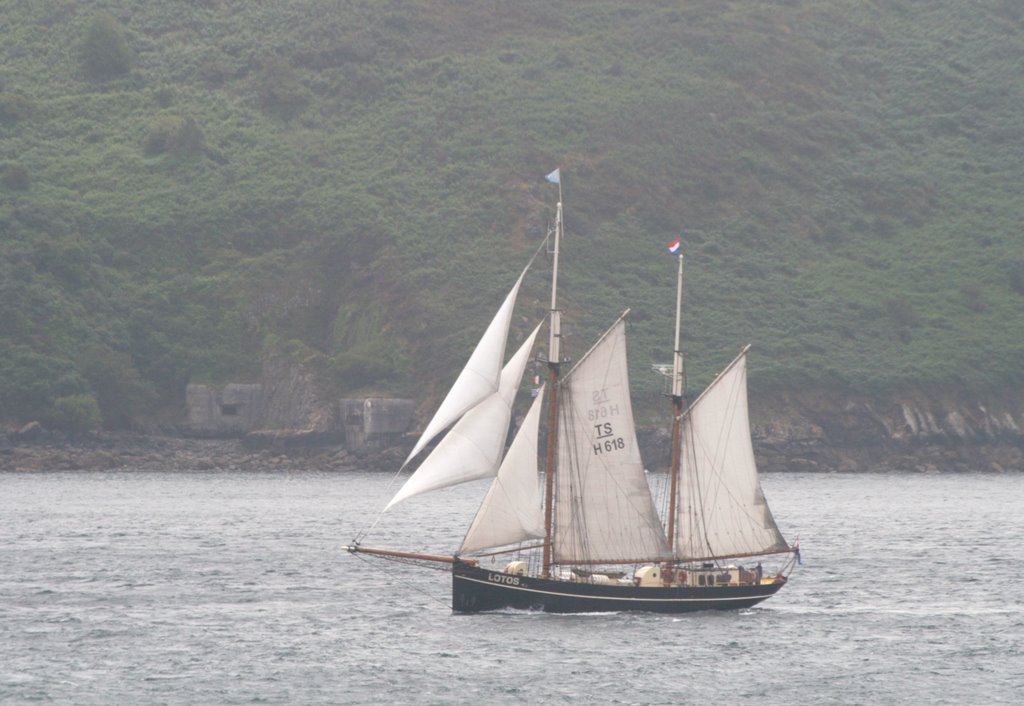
(604, 511)
(722, 511)
(472, 448)
(479, 378)
(511, 511)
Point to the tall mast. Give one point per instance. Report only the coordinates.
(554, 364)
(677, 411)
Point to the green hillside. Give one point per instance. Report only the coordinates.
(189, 186)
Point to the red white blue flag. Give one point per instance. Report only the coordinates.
(676, 246)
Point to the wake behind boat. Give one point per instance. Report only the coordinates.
(584, 534)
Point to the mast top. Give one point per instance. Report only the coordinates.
(677, 357)
(555, 339)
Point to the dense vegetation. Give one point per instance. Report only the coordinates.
(189, 186)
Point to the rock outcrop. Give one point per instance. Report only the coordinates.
(814, 432)
(916, 432)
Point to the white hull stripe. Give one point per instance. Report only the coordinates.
(607, 598)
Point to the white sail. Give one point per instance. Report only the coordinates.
(604, 510)
(722, 511)
(472, 449)
(479, 378)
(512, 510)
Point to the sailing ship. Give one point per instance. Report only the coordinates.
(584, 533)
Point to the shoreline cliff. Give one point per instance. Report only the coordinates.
(815, 432)
(143, 452)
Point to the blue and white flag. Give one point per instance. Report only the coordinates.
(555, 177)
(675, 246)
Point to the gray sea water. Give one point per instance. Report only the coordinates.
(215, 588)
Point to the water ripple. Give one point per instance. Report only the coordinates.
(184, 588)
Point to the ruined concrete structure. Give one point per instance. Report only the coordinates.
(376, 423)
(224, 411)
(364, 424)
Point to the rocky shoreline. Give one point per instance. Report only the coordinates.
(998, 457)
(122, 451)
(939, 431)
(49, 451)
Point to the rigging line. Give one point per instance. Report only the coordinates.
(497, 485)
(521, 516)
(750, 528)
(631, 430)
(567, 479)
(606, 469)
(739, 505)
(743, 506)
(416, 586)
(576, 482)
(710, 501)
(720, 442)
(716, 462)
(537, 252)
(700, 493)
(577, 479)
(700, 506)
(639, 511)
(511, 550)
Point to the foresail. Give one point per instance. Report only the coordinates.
(479, 378)
(722, 511)
(511, 511)
(472, 448)
(604, 510)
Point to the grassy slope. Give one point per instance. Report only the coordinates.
(844, 175)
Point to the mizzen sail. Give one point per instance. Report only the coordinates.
(722, 511)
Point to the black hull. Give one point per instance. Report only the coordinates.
(475, 590)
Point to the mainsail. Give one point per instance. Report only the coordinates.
(479, 378)
(604, 511)
(472, 448)
(722, 511)
(511, 511)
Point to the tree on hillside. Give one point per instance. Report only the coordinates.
(123, 396)
(13, 107)
(280, 91)
(14, 177)
(104, 52)
(75, 413)
(175, 135)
